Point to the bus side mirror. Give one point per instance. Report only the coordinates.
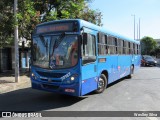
(80, 39)
(34, 47)
(85, 38)
(34, 58)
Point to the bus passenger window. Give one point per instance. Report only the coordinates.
(107, 50)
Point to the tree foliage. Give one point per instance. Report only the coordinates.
(33, 12)
(67, 9)
(28, 17)
(148, 44)
(156, 51)
(6, 22)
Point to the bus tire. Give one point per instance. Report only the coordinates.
(131, 72)
(102, 84)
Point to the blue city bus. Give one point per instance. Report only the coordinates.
(75, 57)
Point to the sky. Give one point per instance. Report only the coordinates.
(118, 16)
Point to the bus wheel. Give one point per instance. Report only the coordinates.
(102, 83)
(131, 72)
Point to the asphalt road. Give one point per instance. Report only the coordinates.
(141, 93)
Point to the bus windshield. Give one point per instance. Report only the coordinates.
(55, 52)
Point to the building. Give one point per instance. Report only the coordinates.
(6, 59)
(7, 56)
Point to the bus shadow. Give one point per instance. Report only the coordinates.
(34, 100)
(117, 81)
(109, 85)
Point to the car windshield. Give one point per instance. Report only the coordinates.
(148, 58)
(55, 52)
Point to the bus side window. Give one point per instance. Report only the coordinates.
(129, 48)
(116, 45)
(89, 48)
(135, 49)
(132, 48)
(102, 44)
(111, 44)
(124, 47)
(107, 50)
(120, 47)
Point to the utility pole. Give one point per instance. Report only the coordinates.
(16, 42)
(139, 29)
(134, 25)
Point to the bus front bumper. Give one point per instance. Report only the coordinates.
(71, 89)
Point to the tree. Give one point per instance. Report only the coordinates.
(31, 13)
(28, 18)
(67, 9)
(6, 23)
(148, 44)
(157, 51)
(93, 16)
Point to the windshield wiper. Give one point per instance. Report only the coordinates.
(58, 40)
(56, 44)
(43, 41)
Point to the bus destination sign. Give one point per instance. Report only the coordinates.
(58, 27)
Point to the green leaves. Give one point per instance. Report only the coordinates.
(32, 12)
(6, 23)
(148, 44)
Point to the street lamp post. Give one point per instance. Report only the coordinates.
(139, 28)
(16, 43)
(137, 31)
(134, 25)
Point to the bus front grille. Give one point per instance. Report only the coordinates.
(50, 74)
(52, 87)
(50, 80)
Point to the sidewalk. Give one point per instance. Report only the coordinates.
(8, 84)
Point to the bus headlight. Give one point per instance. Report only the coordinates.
(71, 79)
(33, 76)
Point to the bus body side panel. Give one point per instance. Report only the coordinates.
(110, 65)
(117, 66)
(136, 62)
(89, 79)
(124, 63)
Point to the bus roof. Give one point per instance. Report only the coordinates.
(84, 23)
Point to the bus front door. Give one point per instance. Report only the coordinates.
(89, 63)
